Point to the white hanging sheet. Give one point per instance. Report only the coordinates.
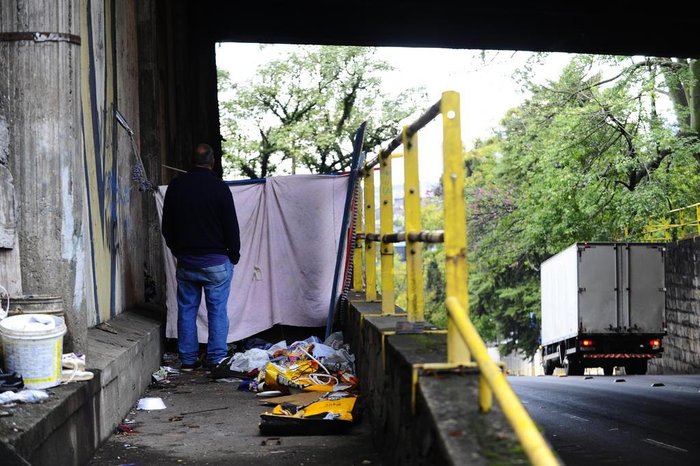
(290, 228)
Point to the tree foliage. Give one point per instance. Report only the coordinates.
(607, 147)
(301, 111)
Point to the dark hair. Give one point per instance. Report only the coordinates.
(203, 154)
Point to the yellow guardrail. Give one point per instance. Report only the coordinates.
(680, 223)
(465, 348)
(536, 449)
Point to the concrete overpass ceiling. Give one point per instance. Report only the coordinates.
(599, 28)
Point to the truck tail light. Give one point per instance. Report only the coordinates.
(655, 343)
(587, 342)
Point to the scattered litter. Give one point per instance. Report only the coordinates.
(5, 413)
(300, 399)
(150, 404)
(269, 393)
(73, 368)
(205, 410)
(24, 396)
(229, 380)
(106, 327)
(12, 382)
(328, 415)
(175, 418)
(163, 373)
(124, 429)
(248, 386)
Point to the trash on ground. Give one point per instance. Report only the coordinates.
(124, 429)
(332, 414)
(299, 399)
(269, 393)
(162, 374)
(24, 396)
(12, 382)
(73, 368)
(150, 404)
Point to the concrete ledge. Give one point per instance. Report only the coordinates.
(437, 421)
(79, 416)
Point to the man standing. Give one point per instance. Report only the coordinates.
(201, 229)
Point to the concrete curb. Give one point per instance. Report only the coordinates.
(79, 416)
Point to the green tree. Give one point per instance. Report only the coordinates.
(580, 160)
(301, 111)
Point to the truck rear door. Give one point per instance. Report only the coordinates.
(597, 276)
(645, 299)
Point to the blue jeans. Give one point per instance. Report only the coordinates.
(216, 283)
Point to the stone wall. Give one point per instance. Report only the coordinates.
(682, 344)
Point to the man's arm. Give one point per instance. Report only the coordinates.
(232, 234)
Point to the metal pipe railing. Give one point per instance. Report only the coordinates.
(535, 446)
(429, 236)
(463, 341)
(413, 128)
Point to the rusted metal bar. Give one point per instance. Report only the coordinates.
(435, 236)
(413, 128)
(39, 37)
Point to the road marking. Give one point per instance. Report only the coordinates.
(665, 445)
(576, 417)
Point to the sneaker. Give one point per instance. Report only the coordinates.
(191, 367)
(213, 365)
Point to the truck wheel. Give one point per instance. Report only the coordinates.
(548, 368)
(574, 367)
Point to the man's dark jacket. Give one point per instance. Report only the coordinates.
(199, 216)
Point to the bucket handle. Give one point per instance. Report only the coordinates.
(3, 312)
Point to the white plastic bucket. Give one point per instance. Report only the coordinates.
(32, 345)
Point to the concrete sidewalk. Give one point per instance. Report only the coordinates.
(209, 422)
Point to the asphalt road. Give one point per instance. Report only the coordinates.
(620, 420)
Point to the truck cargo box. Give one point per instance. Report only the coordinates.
(603, 288)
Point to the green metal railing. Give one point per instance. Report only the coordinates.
(465, 348)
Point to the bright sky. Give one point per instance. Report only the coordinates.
(486, 87)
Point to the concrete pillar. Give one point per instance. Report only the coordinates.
(40, 112)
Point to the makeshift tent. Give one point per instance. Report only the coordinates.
(290, 234)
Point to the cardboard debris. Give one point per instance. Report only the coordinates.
(328, 415)
(299, 399)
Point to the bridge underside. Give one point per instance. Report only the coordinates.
(533, 26)
(186, 33)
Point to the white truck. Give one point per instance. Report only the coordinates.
(603, 305)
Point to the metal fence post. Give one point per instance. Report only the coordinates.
(455, 222)
(412, 213)
(370, 227)
(386, 226)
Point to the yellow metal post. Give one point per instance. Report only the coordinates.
(370, 227)
(485, 395)
(414, 249)
(386, 226)
(455, 221)
(536, 448)
(697, 217)
(357, 281)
